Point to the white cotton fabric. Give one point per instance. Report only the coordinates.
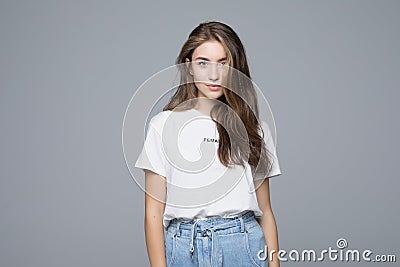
(182, 146)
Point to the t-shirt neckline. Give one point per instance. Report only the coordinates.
(199, 112)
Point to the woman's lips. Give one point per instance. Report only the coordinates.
(213, 87)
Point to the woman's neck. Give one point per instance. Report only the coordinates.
(204, 105)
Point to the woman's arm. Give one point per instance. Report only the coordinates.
(267, 221)
(153, 222)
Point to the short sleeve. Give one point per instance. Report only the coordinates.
(271, 152)
(152, 156)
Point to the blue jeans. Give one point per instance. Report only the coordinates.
(215, 242)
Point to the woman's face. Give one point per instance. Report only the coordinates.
(208, 64)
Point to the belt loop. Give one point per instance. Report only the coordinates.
(241, 224)
(178, 232)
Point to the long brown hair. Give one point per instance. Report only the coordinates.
(241, 98)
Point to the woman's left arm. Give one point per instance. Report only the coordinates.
(267, 221)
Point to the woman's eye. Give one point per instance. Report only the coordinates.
(202, 63)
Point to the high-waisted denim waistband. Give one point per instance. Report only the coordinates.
(211, 226)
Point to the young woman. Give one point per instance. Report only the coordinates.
(204, 156)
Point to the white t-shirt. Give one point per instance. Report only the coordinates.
(182, 146)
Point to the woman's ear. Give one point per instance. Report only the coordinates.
(188, 66)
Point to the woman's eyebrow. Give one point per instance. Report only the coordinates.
(204, 58)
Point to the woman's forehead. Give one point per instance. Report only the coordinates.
(210, 50)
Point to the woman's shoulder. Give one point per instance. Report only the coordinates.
(266, 127)
(159, 119)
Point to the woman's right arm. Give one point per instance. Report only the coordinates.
(153, 222)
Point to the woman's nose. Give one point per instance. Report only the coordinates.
(213, 73)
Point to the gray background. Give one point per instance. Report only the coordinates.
(330, 70)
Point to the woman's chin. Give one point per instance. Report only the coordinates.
(212, 94)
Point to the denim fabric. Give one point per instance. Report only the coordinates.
(215, 242)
